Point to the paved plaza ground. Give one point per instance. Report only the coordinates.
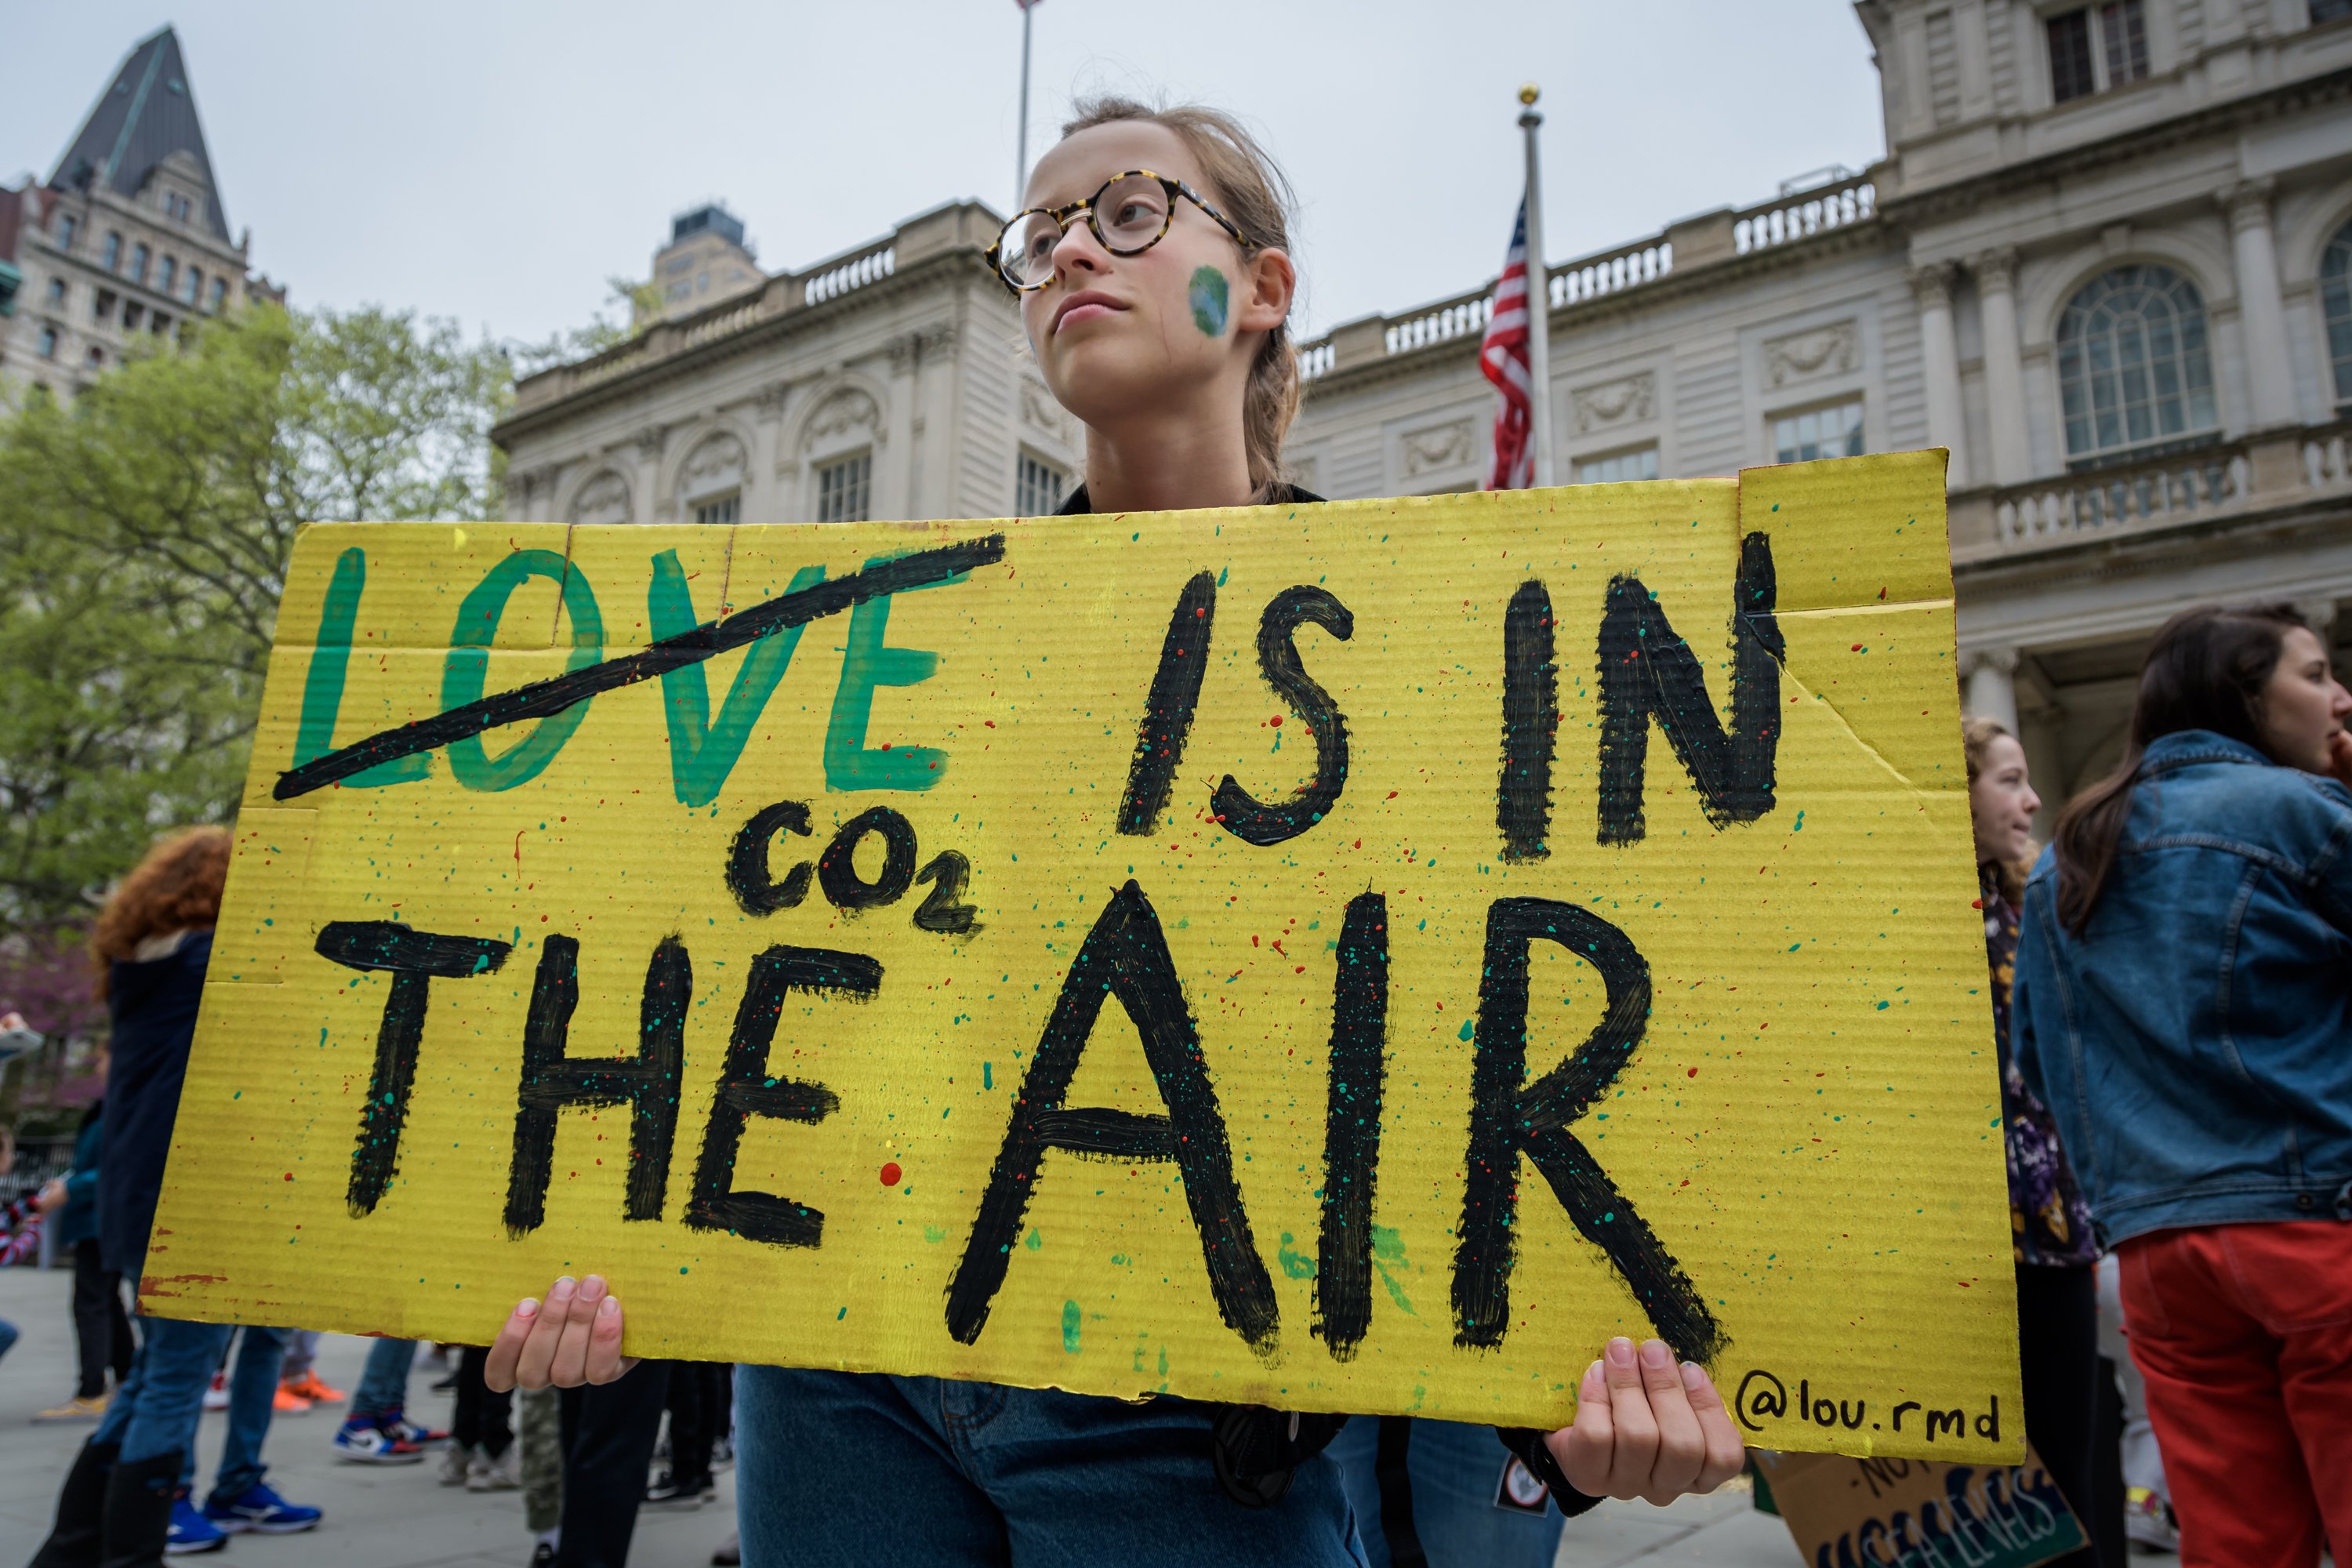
(400, 1518)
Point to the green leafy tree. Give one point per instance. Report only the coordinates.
(144, 534)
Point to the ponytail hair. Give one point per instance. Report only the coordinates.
(2205, 670)
(1249, 188)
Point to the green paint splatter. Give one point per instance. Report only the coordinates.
(1037, 1238)
(1208, 297)
(1293, 1265)
(1387, 1249)
(1070, 1326)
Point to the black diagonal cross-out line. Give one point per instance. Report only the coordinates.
(541, 699)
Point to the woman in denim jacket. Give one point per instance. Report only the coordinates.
(2184, 1006)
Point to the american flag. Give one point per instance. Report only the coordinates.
(1504, 359)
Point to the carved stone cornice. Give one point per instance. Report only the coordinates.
(651, 440)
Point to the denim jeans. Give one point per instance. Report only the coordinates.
(252, 1389)
(836, 1468)
(156, 1409)
(383, 1385)
(1456, 1478)
(7, 1335)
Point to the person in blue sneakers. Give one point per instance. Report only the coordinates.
(378, 1431)
(123, 1496)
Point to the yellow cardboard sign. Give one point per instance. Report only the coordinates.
(1351, 957)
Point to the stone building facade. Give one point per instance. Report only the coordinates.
(2104, 261)
(126, 240)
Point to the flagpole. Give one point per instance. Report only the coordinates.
(1020, 158)
(1538, 299)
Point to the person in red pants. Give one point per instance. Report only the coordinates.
(2183, 1004)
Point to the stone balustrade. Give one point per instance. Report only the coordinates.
(2208, 483)
(1725, 234)
(954, 226)
(1804, 214)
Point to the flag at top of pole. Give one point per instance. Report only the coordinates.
(1517, 354)
(1503, 358)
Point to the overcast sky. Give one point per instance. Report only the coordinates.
(495, 160)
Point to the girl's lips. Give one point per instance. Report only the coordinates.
(1085, 313)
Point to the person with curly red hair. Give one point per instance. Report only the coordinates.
(125, 1502)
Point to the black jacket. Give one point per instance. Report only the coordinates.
(154, 1008)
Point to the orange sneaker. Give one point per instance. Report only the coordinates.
(288, 1403)
(313, 1387)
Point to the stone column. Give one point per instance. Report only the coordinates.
(1939, 359)
(2012, 461)
(647, 482)
(2261, 312)
(1992, 686)
(2044, 770)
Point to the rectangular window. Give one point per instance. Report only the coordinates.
(2123, 32)
(161, 324)
(2097, 48)
(48, 342)
(720, 510)
(1038, 488)
(844, 490)
(1832, 432)
(133, 313)
(67, 228)
(97, 358)
(102, 308)
(113, 260)
(2070, 56)
(57, 291)
(220, 290)
(168, 274)
(139, 255)
(1616, 468)
(195, 284)
(2329, 11)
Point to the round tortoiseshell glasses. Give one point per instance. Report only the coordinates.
(1129, 216)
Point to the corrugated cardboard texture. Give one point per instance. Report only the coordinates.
(1795, 1172)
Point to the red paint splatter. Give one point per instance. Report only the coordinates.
(1276, 721)
(1694, 1072)
(289, 1175)
(890, 1174)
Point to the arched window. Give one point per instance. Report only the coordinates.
(2335, 300)
(2135, 371)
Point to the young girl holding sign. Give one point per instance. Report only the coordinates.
(1155, 285)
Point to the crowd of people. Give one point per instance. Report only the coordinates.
(2172, 998)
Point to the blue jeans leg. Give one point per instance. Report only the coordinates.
(1457, 1478)
(7, 1335)
(852, 1468)
(383, 1386)
(156, 1409)
(252, 1394)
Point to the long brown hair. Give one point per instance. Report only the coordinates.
(176, 887)
(2205, 670)
(1249, 188)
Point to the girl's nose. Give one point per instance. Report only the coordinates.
(1077, 246)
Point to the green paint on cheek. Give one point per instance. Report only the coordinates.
(1208, 299)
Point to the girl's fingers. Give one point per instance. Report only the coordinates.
(1635, 1451)
(1727, 1456)
(570, 1369)
(1585, 1448)
(534, 1368)
(606, 1362)
(1682, 1447)
(506, 1350)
